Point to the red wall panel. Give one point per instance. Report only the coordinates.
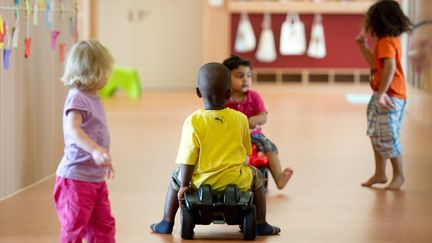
(339, 30)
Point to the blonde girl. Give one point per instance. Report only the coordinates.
(80, 192)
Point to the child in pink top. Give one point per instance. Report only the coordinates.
(250, 103)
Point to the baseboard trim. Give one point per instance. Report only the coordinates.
(27, 187)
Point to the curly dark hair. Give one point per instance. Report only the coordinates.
(233, 62)
(386, 18)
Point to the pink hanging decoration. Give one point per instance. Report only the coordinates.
(54, 35)
(2, 33)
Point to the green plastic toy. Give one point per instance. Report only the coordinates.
(124, 78)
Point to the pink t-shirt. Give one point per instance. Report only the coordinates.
(251, 105)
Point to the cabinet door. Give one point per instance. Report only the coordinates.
(115, 28)
(161, 38)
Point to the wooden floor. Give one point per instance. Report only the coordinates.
(318, 133)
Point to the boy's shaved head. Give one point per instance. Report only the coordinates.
(214, 83)
(214, 77)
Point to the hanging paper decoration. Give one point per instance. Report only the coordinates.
(292, 38)
(41, 3)
(266, 51)
(62, 9)
(15, 33)
(7, 50)
(17, 3)
(2, 32)
(6, 58)
(1, 24)
(49, 15)
(35, 14)
(62, 52)
(27, 42)
(317, 45)
(27, 7)
(10, 35)
(3, 36)
(245, 37)
(71, 26)
(27, 39)
(15, 36)
(54, 35)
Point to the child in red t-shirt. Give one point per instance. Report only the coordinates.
(385, 21)
(250, 103)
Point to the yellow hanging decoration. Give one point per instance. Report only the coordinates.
(2, 32)
(1, 25)
(41, 4)
(27, 6)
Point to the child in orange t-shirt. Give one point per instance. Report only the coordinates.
(385, 21)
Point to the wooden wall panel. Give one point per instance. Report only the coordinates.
(31, 102)
(215, 33)
(419, 103)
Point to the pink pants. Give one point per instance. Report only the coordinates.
(84, 211)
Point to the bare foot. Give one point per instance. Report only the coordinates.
(283, 178)
(396, 183)
(375, 179)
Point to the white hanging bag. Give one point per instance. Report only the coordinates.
(245, 37)
(292, 38)
(317, 45)
(266, 51)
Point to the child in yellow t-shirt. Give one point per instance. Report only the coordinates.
(213, 148)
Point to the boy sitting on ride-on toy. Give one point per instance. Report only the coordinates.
(213, 148)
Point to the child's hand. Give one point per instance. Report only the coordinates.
(181, 192)
(110, 172)
(101, 157)
(254, 122)
(361, 38)
(254, 129)
(385, 101)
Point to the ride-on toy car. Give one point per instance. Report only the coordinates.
(260, 161)
(232, 206)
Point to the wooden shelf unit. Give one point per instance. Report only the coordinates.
(307, 76)
(325, 7)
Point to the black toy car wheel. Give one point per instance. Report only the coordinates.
(249, 224)
(187, 223)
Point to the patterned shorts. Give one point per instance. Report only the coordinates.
(257, 181)
(384, 126)
(263, 144)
